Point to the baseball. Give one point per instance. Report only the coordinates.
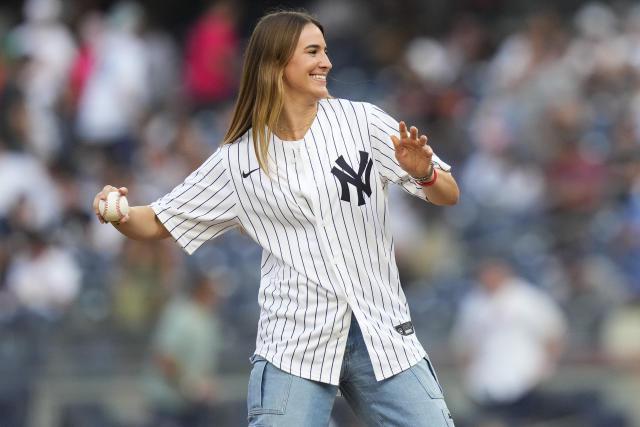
(114, 208)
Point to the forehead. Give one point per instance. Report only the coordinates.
(310, 35)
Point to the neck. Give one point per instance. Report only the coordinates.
(295, 120)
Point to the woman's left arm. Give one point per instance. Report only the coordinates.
(414, 156)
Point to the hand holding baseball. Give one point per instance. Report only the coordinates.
(111, 205)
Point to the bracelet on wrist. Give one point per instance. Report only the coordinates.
(427, 180)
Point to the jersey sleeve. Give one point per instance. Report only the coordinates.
(381, 127)
(202, 207)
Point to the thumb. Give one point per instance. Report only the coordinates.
(396, 141)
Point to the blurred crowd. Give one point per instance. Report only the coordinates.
(538, 111)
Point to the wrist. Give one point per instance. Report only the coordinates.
(428, 179)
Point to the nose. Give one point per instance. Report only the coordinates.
(325, 63)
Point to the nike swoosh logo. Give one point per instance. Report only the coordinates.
(246, 174)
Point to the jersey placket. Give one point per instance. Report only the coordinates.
(310, 176)
(311, 181)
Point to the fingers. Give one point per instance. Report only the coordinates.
(403, 130)
(414, 133)
(102, 195)
(96, 210)
(410, 137)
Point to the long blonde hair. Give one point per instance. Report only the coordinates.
(261, 95)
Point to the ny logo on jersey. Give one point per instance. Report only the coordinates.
(348, 176)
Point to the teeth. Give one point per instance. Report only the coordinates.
(319, 77)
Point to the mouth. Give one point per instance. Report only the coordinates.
(319, 77)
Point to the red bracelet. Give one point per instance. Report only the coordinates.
(431, 181)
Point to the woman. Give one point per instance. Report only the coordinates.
(306, 177)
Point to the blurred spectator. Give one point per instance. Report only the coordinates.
(575, 180)
(163, 70)
(14, 119)
(590, 291)
(28, 190)
(212, 56)
(44, 277)
(116, 92)
(508, 336)
(621, 336)
(48, 46)
(180, 382)
(625, 242)
(90, 29)
(575, 189)
(142, 285)
(521, 184)
(28, 197)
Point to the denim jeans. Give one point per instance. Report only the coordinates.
(412, 398)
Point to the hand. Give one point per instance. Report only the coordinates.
(103, 196)
(413, 153)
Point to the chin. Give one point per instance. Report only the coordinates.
(322, 94)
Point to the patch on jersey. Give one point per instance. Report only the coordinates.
(347, 175)
(405, 328)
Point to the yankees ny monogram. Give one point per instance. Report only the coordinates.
(348, 176)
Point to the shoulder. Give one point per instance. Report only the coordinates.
(372, 111)
(231, 149)
(243, 139)
(217, 161)
(346, 108)
(343, 103)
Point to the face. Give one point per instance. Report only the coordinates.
(493, 275)
(305, 76)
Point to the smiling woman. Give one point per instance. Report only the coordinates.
(306, 177)
(275, 43)
(305, 83)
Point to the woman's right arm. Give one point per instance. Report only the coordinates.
(140, 224)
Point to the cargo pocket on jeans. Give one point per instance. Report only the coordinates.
(268, 388)
(427, 377)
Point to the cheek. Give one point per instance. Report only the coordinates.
(294, 75)
(289, 74)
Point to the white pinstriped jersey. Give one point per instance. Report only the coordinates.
(323, 223)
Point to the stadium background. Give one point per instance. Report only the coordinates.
(536, 106)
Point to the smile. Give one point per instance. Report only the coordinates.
(321, 77)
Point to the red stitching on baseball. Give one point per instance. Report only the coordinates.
(106, 206)
(118, 207)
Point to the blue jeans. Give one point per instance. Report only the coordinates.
(412, 398)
